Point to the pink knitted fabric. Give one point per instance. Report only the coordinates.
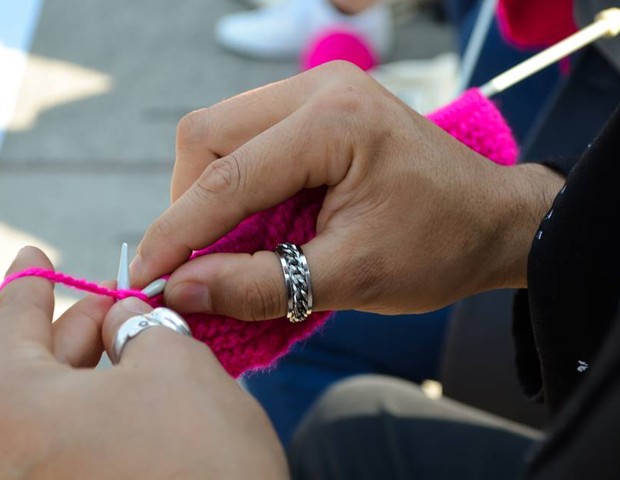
(241, 346)
(475, 121)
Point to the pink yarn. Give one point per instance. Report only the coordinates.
(77, 283)
(338, 45)
(241, 346)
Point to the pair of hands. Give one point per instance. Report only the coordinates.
(412, 220)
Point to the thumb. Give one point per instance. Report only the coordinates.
(252, 287)
(238, 285)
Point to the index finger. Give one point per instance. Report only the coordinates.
(238, 123)
(208, 134)
(27, 305)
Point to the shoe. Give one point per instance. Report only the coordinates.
(284, 30)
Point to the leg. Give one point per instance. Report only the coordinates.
(406, 346)
(375, 427)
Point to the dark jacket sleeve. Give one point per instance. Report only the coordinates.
(577, 111)
(573, 276)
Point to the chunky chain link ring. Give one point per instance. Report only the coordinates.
(296, 281)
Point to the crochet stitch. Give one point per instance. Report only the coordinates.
(241, 346)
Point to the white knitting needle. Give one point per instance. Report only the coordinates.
(122, 280)
(607, 24)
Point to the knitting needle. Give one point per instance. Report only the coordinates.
(122, 280)
(607, 24)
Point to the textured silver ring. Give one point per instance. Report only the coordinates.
(132, 327)
(296, 281)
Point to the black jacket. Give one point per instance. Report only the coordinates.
(566, 325)
(571, 346)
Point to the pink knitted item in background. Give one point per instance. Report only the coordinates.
(535, 23)
(338, 45)
(475, 121)
(241, 346)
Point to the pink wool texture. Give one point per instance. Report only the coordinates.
(242, 346)
(338, 45)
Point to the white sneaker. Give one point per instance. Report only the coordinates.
(284, 30)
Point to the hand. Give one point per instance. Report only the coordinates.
(168, 410)
(413, 220)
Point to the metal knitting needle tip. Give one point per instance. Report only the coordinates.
(122, 280)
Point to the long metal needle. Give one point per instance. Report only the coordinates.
(122, 280)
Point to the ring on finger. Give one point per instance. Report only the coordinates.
(297, 282)
(132, 327)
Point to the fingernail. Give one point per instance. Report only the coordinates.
(136, 267)
(190, 297)
(155, 288)
(134, 305)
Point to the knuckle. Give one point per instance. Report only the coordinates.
(342, 103)
(221, 176)
(346, 98)
(160, 230)
(259, 301)
(341, 69)
(193, 128)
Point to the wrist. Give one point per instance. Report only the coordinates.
(525, 194)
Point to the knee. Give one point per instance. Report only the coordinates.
(341, 421)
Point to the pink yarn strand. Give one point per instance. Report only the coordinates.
(77, 283)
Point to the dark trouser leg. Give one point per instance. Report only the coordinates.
(376, 427)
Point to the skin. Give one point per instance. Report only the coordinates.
(412, 221)
(353, 6)
(155, 416)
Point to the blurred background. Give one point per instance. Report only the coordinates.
(90, 96)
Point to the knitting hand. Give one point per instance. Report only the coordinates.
(168, 410)
(412, 220)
